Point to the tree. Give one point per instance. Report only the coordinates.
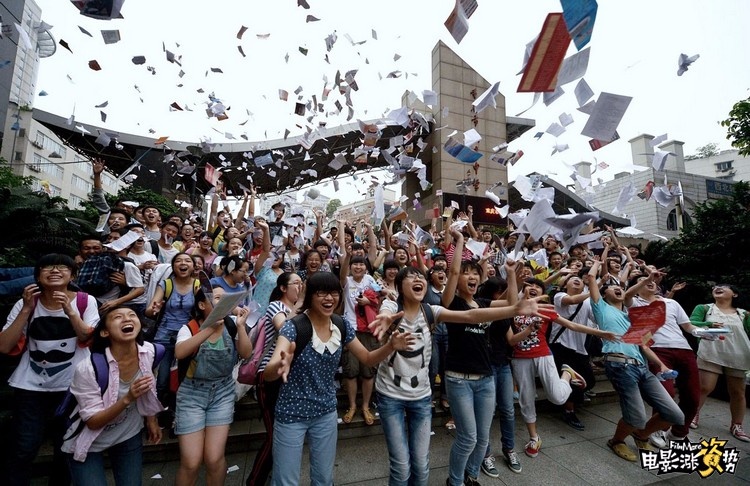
(144, 197)
(708, 150)
(711, 250)
(9, 179)
(738, 126)
(332, 206)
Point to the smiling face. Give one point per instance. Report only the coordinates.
(151, 216)
(122, 325)
(89, 248)
(555, 261)
(468, 282)
(413, 287)
(437, 277)
(117, 221)
(187, 232)
(723, 292)
(401, 256)
(324, 302)
(614, 294)
(293, 288)
(313, 262)
(358, 270)
(182, 265)
(574, 285)
(234, 246)
(54, 276)
(532, 290)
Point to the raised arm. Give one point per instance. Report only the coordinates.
(455, 268)
(590, 280)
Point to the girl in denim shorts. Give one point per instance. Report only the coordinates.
(205, 398)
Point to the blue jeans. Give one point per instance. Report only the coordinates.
(631, 382)
(162, 377)
(33, 412)
(472, 403)
(505, 409)
(127, 465)
(408, 440)
(288, 440)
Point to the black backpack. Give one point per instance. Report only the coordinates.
(304, 330)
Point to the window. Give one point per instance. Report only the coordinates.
(49, 144)
(75, 202)
(82, 184)
(672, 220)
(724, 166)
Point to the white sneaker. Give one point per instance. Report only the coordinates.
(659, 439)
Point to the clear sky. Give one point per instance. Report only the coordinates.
(634, 52)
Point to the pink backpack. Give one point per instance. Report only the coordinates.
(248, 372)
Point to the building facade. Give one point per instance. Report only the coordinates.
(727, 165)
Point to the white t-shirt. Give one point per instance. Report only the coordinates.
(571, 339)
(352, 290)
(133, 279)
(52, 350)
(405, 374)
(670, 334)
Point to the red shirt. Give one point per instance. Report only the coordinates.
(535, 345)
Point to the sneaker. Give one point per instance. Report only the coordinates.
(575, 378)
(533, 446)
(469, 481)
(643, 444)
(513, 463)
(659, 439)
(488, 467)
(694, 423)
(738, 433)
(571, 419)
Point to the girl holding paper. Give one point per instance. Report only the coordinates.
(205, 398)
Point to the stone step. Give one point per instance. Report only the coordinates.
(247, 432)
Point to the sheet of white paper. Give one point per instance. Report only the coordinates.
(429, 97)
(547, 193)
(156, 476)
(588, 108)
(555, 129)
(573, 67)
(224, 307)
(549, 98)
(534, 224)
(492, 197)
(660, 160)
(540, 257)
(471, 137)
(607, 114)
(487, 98)
(533, 102)
(503, 211)
(124, 241)
(663, 196)
(657, 140)
(522, 184)
(400, 116)
(476, 247)
(627, 193)
(583, 92)
(565, 119)
(234, 468)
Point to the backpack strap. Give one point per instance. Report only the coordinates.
(168, 288)
(159, 352)
(563, 328)
(154, 248)
(303, 326)
(82, 302)
(428, 315)
(101, 370)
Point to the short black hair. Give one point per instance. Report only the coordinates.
(54, 259)
(325, 281)
(390, 263)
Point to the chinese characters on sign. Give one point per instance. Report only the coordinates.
(707, 457)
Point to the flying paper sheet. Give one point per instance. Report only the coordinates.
(657, 140)
(606, 116)
(486, 99)
(534, 223)
(457, 22)
(211, 175)
(549, 98)
(580, 16)
(224, 307)
(429, 97)
(684, 62)
(583, 92)
(573, 67)
(627, 193)
(555, 129)
(461, 152)
(549, 50)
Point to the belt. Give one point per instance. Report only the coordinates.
(621, 359)
(464, 376)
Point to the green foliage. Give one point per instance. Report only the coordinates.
(332, 206)
(144, 197)
(9, 179)
(39, 224)
(738, 126)
(708, 150)
(714, 248)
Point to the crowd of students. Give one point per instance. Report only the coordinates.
(458, 319)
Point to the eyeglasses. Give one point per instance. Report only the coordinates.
(415, 276)
(59, 268)
(324, 293)
(719, 287)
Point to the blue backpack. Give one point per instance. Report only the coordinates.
(68, 408)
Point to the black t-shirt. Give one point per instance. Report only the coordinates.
(468, 344)
(501, 350)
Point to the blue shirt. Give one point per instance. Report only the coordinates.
(309, 391)
(614, 320)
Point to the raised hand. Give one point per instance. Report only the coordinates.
(286, 362)
(382, 323)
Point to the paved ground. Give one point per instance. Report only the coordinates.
(567, 457)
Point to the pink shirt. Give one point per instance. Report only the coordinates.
(91, 401)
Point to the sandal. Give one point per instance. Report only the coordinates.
(368, 416)
(622, 450)
(349, 415)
